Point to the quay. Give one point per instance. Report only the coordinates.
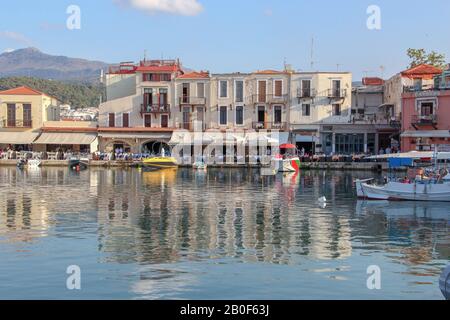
(323, 166)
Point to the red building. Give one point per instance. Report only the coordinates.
(426, 115)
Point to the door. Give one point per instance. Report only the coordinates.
(112, 120)
(261, 114)
(336, 88)
(126, 120)
(278, 88)
(148, 121)
(164, 121)
(186, 118)
(27, 116)
(148, 99)
(185, 93)
(277, 114)
(11, 115)
(262, 91)
(163, 99)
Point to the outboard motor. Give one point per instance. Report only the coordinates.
(444, 283)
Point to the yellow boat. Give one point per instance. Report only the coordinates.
(160, 162)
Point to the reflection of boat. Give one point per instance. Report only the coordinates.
(160, 162)
(78, 164)
(430, 210)
(159, 176)
(200, 166)
(34, 163)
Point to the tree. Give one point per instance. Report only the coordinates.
(420, 56)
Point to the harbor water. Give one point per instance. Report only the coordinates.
(220, 234)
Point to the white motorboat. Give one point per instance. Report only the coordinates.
(417, 190)
(200, 166)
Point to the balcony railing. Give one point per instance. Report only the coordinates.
(337, 93)
(16, 123)
(197, 101)
(306, 93)
(282, 126)
(155, 108)
(192, 126)
(269, 98)
(424, 120)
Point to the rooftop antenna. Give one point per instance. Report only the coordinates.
(145, 55)
(383, 69)
(312, 53)
(337, 67)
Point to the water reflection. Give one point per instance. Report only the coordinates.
(155, 219)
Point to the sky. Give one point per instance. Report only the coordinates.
(234, 35)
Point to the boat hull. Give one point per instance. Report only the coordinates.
(396, 191)
(287, 165)
(161, 163)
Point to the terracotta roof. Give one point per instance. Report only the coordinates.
(135, 129)
(372, 81)
(195, 75)
(423, 71)
(26, 91)
(269, 72)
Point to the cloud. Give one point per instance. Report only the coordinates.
(177, 7)
(15, 36)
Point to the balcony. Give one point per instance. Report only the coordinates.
(192, 101)
(337, 93)
(16, 123)
(192, 126)
(306, 93)
(425, 120)
(155, 109)
(269, 99)
(282, 126)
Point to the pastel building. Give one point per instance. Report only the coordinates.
(23, 111)
(320, 112)
(426, 116)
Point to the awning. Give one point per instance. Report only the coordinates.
(18, 137)
(426, 134)
(121, 135)
(66, 138)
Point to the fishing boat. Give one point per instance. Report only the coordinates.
(444, 283)
(419, 189)
(160, 162)
(288, 161)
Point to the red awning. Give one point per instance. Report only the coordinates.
(288, 146)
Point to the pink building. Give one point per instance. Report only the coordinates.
(426, 119)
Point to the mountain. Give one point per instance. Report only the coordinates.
(78, 95)
(31, 62)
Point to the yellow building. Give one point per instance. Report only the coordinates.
(23, 111)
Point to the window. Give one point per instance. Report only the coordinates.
(239, 115)
(262, 91)
(163, 93)
(278, 88)
(164, 121)
(306, 110)
(186, 118)
(278, 114)
(306, 88)
(112, 120)
(27, 115)
(200, 90)
(223, 89)
(239, 91)
(147, 121)
(349, 143)
(156, 77)
(426, 109)
(336, 109)
(148, 98)
(11, 115)
(126, 120)
(223, 121)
